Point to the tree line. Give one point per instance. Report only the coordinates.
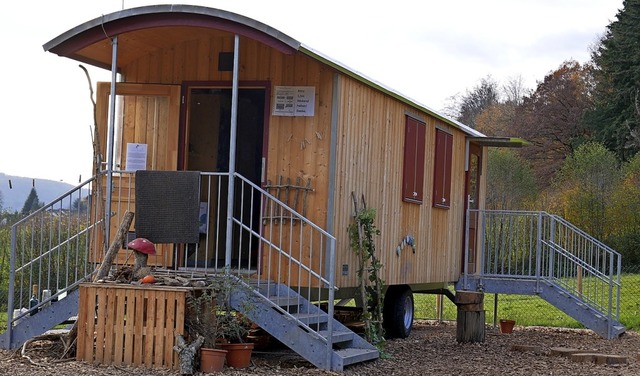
(582, 125)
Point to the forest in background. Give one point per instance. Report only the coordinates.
(582, 125)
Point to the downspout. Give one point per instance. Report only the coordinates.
(232, 155)
(110, 142)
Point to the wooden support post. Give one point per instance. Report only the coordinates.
(579, 281)
(471, 316)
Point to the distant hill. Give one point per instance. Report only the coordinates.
(13, 198)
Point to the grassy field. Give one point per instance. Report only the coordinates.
(532, 310)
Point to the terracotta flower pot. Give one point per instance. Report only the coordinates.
(238, 354)
(212, 360)
(506, 326)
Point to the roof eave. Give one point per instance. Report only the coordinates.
(107, 26)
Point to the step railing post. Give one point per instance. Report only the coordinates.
(12, 283)
(552, 256)
(539, 251)
(331, 297)
(609, 312)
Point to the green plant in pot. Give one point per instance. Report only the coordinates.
(233, 326)
(201, 321)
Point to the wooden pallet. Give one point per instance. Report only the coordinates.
(130, 325)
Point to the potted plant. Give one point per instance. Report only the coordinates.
(201, 322)
(211, 316)
(233, 327)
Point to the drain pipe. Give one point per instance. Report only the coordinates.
(112, 122)
(232, 156)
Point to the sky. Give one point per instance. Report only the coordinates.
(425, 49)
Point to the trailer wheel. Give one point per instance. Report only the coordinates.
(398, 311)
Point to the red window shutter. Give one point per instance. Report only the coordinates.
(413, 171)
(442, 169)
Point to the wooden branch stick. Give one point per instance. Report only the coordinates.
(115, 246)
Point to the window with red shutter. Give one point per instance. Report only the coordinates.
(413, 171)
(442, 169)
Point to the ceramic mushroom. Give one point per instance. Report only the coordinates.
(142, 248)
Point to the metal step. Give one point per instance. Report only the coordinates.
(312, 318)
(338, 337)
(285, 301)
(353, 356)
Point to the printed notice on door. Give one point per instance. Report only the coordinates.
(294, 101)
(136, 157)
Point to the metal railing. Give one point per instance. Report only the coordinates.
(545, 247)
(56, 247)
(272, 243)
(49, 252)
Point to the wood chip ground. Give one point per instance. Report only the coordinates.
(430, 350)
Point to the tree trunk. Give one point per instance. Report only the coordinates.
(470, 319)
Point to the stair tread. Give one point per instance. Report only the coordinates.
(338, 336)
(356, 355)
(284, 301)
(315, 317)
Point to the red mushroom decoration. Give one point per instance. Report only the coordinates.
(142, 248)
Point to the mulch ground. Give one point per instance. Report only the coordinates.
(431, 349)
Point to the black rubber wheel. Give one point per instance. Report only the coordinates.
(398, 312)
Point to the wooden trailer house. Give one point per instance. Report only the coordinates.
(241, 150)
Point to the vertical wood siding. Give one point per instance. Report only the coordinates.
(369, 158)
(370, 163)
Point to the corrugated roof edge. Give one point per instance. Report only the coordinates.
(391, 92)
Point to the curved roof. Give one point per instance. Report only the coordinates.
(90, 42)
(145, 29)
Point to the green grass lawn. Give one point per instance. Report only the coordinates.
(532, 310)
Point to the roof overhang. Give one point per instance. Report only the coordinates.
(500, 142)
(143, 30)
(90, 42)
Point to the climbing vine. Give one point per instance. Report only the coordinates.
(371, 285)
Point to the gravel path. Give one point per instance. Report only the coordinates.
(430, 350)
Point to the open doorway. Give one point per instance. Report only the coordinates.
(208, 121)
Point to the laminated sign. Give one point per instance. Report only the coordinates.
(294, 101)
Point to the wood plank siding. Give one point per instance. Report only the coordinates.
(369, 153)
(370, 163)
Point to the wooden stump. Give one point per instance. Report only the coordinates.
(471, 316)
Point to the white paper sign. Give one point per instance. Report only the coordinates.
(136, 157)
(294, 101)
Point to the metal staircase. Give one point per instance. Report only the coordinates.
(52, 250)
(536, 253)
(302, 326)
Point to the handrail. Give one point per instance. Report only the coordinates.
(51, 251)
(545, 247)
